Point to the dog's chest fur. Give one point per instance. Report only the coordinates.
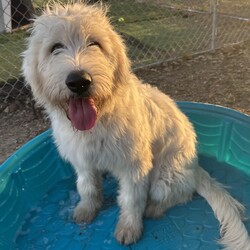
(97, 148)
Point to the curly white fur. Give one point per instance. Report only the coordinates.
(139, 135)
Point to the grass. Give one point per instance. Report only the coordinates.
(152, 33)
(157, 30)
(164, 37)
(11, 46)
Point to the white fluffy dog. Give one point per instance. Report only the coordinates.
(105, 119)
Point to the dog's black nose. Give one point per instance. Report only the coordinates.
(78, 82)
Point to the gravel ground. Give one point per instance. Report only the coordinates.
(220, 77)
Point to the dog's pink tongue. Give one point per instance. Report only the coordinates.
(82, 113)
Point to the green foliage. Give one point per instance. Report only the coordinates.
(11, 46)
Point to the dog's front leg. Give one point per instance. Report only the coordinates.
(132, 200)
(91, 199)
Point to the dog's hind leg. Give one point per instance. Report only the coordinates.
(167, 192)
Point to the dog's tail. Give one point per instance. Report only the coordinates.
(228, 211)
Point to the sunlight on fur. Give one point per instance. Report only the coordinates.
(105, 119)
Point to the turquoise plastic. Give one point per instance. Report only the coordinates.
(38, 193)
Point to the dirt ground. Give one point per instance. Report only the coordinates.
(221, 77)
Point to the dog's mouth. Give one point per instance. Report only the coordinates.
(82, 112)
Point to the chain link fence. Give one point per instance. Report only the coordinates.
(154, 31)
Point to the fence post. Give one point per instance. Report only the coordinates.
(214, 23)
(5, 18)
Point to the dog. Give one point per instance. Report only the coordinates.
(105, 119)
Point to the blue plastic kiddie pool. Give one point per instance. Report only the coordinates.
(38, 193)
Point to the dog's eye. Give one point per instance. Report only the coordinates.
(94, 43)
(57, 46)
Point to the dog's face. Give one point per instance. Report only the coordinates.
(75, 61)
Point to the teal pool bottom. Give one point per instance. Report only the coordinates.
(38, 194)
(49, 225)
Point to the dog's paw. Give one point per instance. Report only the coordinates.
(128, 234)
(83, 213)
(154, 211)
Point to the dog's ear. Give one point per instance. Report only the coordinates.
(123, 65)
(30, 67)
